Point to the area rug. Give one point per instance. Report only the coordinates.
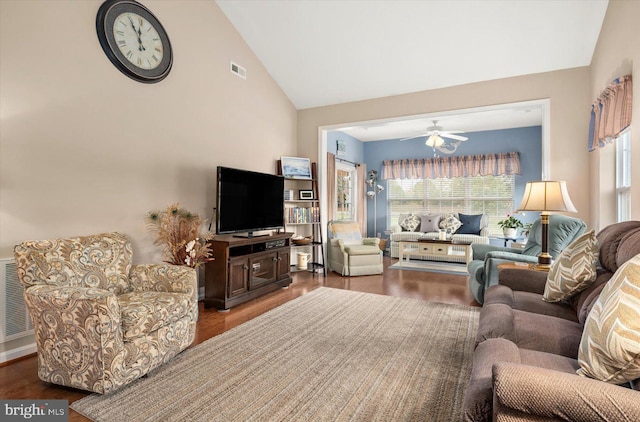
(431, 266)
(330, 355)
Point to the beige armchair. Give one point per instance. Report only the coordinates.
(348, 253)
(101, 322)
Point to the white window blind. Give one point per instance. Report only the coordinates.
(623, 176)
(490, 195)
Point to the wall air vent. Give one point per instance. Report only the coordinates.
(15, 318)
(238, 70)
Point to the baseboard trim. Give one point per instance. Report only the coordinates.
(18, 352)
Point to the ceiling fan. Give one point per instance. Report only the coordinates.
(436, 138)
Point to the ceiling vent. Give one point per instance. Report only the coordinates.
(238, 70)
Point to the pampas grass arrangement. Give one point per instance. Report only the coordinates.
(179, 233)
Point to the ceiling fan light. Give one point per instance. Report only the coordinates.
(434, 141)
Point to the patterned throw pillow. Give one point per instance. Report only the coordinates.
(450, 223)
(573, 270)
(410, 223)
(610, 345)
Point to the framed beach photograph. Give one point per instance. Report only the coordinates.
(341, 147)
(296, 168)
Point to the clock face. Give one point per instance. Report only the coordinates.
(134, 40)
(138, 40)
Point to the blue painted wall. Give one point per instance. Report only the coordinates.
(355, 147)
(527, 141)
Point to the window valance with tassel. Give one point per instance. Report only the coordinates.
(611, 112)
(461, 166)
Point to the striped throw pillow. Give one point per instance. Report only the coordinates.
(610, 345)
(573, 270)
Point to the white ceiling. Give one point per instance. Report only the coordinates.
(494, 118)
(324, 52)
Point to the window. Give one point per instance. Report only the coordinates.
(490, 195)
(345, 191)
(623, 176)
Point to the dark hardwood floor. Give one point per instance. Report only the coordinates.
(19, 379)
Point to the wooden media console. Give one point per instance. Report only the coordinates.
(246, 268)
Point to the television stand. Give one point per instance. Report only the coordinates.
(246, 268)
(250, 235)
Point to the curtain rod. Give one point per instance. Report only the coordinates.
(347, 161)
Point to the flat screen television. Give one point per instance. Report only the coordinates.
(248, 202)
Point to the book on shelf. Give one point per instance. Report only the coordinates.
(302, 215)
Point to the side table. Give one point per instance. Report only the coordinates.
(522, 266)
(508, 239)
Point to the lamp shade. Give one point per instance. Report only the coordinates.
(546, 195)
(434, 141)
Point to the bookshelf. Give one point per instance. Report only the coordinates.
(302, 218)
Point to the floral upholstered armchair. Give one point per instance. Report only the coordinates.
(101, 322)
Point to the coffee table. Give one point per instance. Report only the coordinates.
(425, 247)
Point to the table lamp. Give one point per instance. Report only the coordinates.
(546, 196)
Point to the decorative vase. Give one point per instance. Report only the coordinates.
(509, 233)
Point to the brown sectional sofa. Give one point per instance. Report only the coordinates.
(525, 361)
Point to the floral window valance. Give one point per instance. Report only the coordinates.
(462, 166)
(611, 112)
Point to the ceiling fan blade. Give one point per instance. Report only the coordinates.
(456, 137)
(413, 137)
(453, 131)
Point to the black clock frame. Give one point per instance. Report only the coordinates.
(107, 14)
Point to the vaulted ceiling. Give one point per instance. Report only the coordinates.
(324, 52)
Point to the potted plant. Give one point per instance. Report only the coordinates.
(510, 226)
(179, 233)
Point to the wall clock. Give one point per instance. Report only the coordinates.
(134, 40)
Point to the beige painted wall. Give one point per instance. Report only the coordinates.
(617, 51)
(568, 91)
(85, 149)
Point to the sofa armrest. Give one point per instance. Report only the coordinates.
(396, 229)
(493, 259)
(522, 392)
(373, 241)
(337, 244)
(485, 232)
(337, 255)
(523, 279)
(480, 250)
(512, 255)
(164, 278)
(52, 297)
